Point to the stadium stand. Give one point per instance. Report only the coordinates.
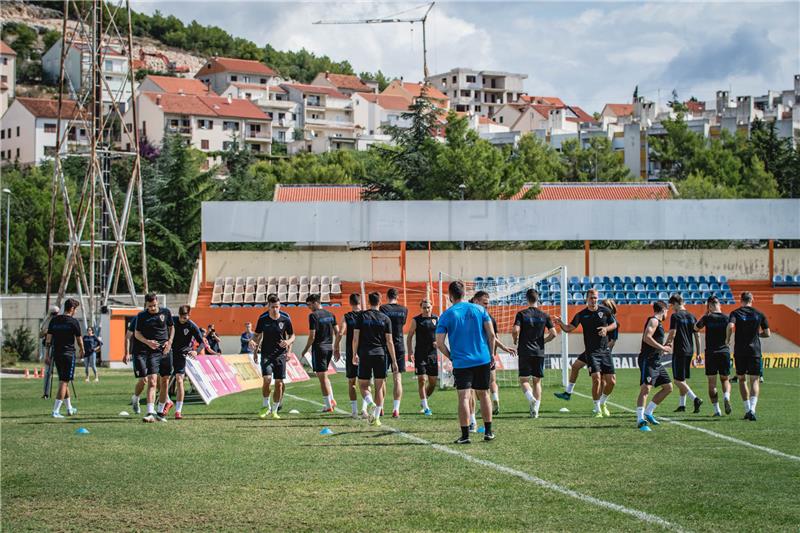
(252, 291)
(786, 281)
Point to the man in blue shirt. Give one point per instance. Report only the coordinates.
(468, 329)
(245, 338)
(91, 347)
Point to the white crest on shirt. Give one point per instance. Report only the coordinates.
(185, 331)
(600, 314)
(280, 325)
(434, 321)
(161, 317)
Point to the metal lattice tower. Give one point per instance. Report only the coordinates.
(97, 245)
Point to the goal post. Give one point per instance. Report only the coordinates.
(506, 298)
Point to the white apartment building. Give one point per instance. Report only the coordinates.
(29, 130)
(272, 100)
(325, 116)
(208, 123)
(479, 91)
(8, 75)
(414, 91)
(372, 112)
(220, 72)
(78, 72)
(345, 83)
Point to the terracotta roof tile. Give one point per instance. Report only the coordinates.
(207, 106)
(179, 85)
(229, 64)
(620, 110)
(549, 191)
(543, 100)
(347, 81)
(386, 101)
(315, 89)
(582, 115)
(6, 50)
(47, 108)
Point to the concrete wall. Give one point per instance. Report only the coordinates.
(359, 265)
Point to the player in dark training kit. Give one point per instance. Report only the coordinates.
(398, 314)
(154, 331)
(321, 326)
(424, 354)
(718, 354)
(750, 326)
(63, 335)
(530, 327)
(346, 329)
(274, 335)
(653, 374)
(684, 340)
(372, 340)
(186, 334)
(596, 322)
(132, 346)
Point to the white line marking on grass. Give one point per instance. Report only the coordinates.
(776, 453)
(640, 515)
(785, 384)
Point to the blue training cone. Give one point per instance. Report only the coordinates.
(481, 430)
(326, 431)
(81, 431)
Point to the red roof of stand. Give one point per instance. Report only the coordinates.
(549, 191)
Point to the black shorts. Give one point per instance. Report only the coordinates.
(531, 366)
(582, 358)
(321, 358)
(372, 366)
(179, 363)
(401, 361)
(147, 363)
(747, 364)
(65, 367)
(600, 362)
(718, 363)
(652, 372)
(350, 370)
(426, 365)
(474, 377)
(165, 365)
(274, 366)
(681, 367)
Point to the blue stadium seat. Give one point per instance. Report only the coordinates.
(586, 280)
(671, 279)
(627, 279)
(672, 287)
(714, 287)
(691, 279)
(607, 280)
(696, 296)
(680, 280)
(639, 287)
(693, 287)
(660, 279)
(663, 296)
(631, 297)
(661, 287)
(597, 279)
(702, 279)
(712, 279)
(723, 279)
(638, 279)
(617, 279)
(628, 287)
(555, 288)
(574, 279)
(778, 280)
(703, 287)
(649, 280)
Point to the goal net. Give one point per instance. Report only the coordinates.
(506, 298)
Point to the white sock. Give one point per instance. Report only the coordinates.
(639, 414)
(378, 411)
(330, 399)
(161, 407)
(265, 401)
(690, 393)
(135, 399)
(596, 405)
(178, 407)
(424, 403)
(570, 386)
(716, 408)
(650, 408)
(603, 398)
(326, 400)
(682, 402)
(529, 395)
(396, 405)
(150, 408)
(753, 402)
(726, 396)
(368, 400)
(68, 403)
(495, 396)
(472, 419)
(536, 404)
(746, 404)
(354, 406)
(57, 406)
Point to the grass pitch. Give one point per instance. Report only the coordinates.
(222, 468)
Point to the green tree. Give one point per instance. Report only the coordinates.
(537, 161)
(597, 162)
(778, 155)
(675, 150)
(382, 80)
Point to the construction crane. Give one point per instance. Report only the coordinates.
(392, 19)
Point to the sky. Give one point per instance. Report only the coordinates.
(586, 53)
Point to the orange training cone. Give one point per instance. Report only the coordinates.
(27, 374)
(35, 372)
(41, 372)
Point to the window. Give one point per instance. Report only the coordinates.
(255, 147)
(455, 94)
(2, 134)
(478, 108)
(3, 78)
(314, 115)
(204, 144)
(229, 125)
(49, 127)
(71, 134)
(49, 151)
(227, 145)
(108, 65)
(17, 152)
(470, 79)
(5, 61)
(281, 116)
(444, 82)
(234, 78)
(500, 120)
(313, 100)
(248, 96)
(455, 79)
(83, 132)
(263, 81)
(205, 124)
(465, 93)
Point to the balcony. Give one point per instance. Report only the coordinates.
(329, 123)
(180, 130)
(257, 135)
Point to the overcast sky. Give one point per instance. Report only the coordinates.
(587, 53)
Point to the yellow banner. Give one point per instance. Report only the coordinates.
(781, 360)
(247, 373)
